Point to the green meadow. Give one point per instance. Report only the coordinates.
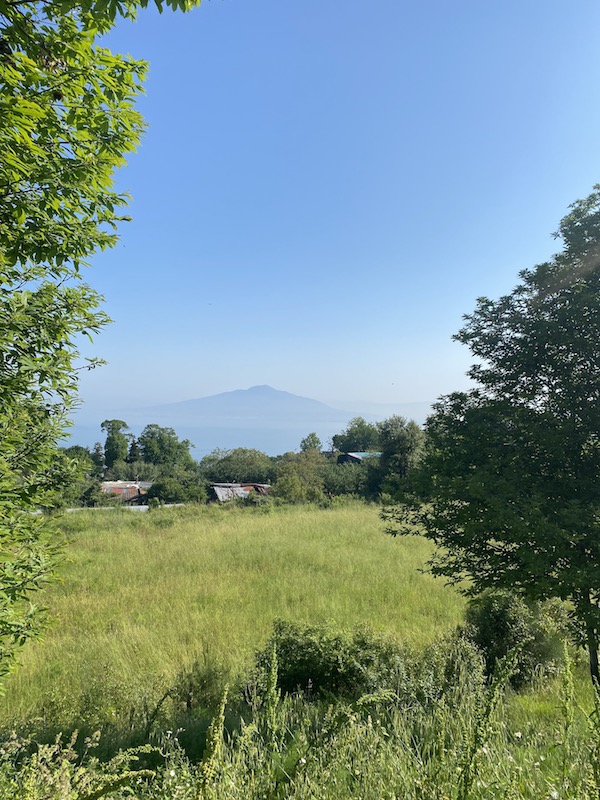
(155, 614)
(142, 597)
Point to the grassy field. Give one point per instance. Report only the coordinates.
(142, 597)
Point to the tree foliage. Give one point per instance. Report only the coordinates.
(344, 479)
(358, 437)
(67, 122)
(401, 444)
(239, 465)
(162, 446)
(181, 487)
(311, 442)
(300, 477)
(132, 471)
(134, 453)
(511, 469)
(116, 445)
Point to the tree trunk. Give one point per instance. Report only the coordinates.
(590, 613)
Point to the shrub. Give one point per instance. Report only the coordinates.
(446, 666)
(260, 502)
(177, 490)
(499, 621)
(345, 479)
(318, 659)
(201, 685)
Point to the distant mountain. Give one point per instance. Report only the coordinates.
(260, 417)
(258, 405)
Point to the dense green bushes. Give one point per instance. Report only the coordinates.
(178, 489)
(445, 732)
(499, 622)
(322, 659)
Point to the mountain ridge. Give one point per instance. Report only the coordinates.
(259, 417)
(261, 402)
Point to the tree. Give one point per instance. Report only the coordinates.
(134, 453)
(97, 456)
(132, 471)
(117, 443)
(401, 444)
(181, 488)
(360, 436)
(511, 471)
(340, 479)
(161, 446)
(239, 465)
(311, 442)
(300, 477)
(79, 485)
(68, 122)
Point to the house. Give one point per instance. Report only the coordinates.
(126, 490)
(222, 492)
(356, 458)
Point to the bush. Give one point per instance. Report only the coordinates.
(345, 479)
(200, 686)
(177, 490)
(500, 621)
(445, 667)
(318, 659)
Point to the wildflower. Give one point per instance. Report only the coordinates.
(518, 735)
(172, 773)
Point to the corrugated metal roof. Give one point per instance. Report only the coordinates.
(229, 491)
(225, 493)
(109, 486)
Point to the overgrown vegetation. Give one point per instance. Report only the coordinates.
(160, 613)
(501, 622)
(439, 730)
(149, 597)
(68, 121)
(309, 476)
(508, 485)
(164, 676)
(326, 661)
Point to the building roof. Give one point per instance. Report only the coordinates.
(108, 486)
(229, 491)
(356, 456)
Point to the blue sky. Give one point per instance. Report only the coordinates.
(326, 187)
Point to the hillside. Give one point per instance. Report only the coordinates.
(260, 417)
(259, 405)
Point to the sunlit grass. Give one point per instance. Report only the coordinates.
(142, 596)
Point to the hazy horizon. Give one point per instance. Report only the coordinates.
(266, 431)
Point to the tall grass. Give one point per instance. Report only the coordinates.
(444, 736)
(142, 597)
(152, 610)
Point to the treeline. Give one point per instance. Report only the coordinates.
(311, 475)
